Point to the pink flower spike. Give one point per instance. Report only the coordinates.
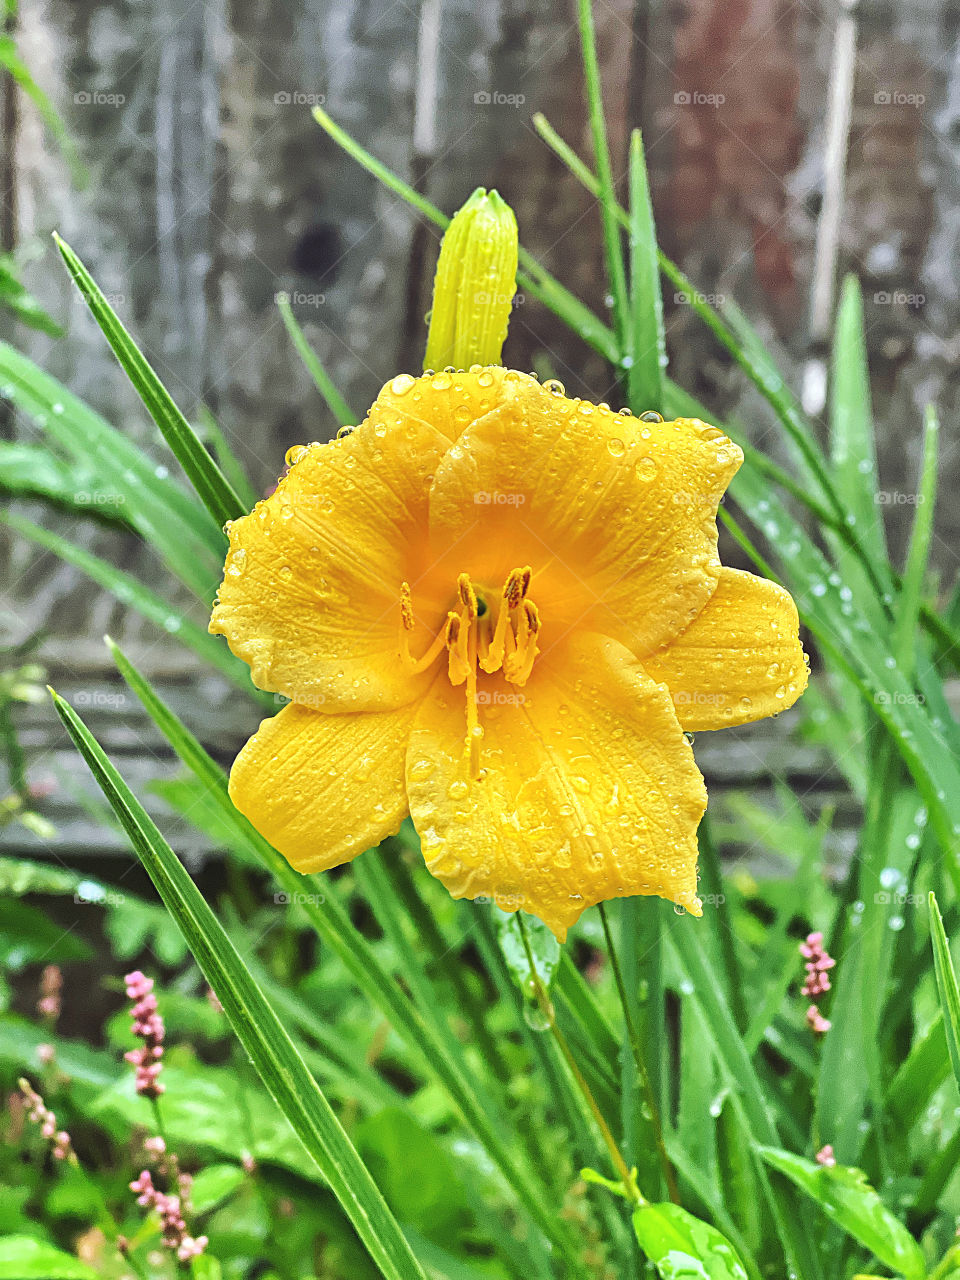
(826, 1157)
(817, 1023)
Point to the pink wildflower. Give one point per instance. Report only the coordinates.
(818, 963)
(826, 1157)
(172, 1223)
(41, 1114)
(817, 1023)
(51, 987)
(148, 1025)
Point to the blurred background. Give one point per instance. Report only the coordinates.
(788, 142)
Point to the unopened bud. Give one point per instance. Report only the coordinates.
(474, 285)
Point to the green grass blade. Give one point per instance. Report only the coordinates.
(254, 1021)
(918, 555)
(946, 985)
(616, 273)
(175, 524)
(646, 344)
(852, 445)
(215, 491)
(533, 278)
(134, 594)
(344, 415)
(334, 926)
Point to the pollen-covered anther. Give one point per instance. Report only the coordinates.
(468, 597)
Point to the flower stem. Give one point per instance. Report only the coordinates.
(637, 1051)
(545, 1004)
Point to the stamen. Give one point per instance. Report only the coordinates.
(468, 597)
(502, 643)
(518, 666)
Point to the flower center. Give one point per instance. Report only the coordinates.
(476, 638)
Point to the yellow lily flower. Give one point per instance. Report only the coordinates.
(498, 609)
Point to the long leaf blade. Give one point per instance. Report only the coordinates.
(946, 985)
(212, 486)
(646, 340)
(254, 1021)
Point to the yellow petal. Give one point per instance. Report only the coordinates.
(322, 788)
(616, 516)
(739, 660)
(448, 402)
(311, 588)
(588, 787)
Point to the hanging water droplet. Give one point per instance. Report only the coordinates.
(651, 415)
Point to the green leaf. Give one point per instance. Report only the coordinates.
(544, 948)
(601, 150)
(324, 383)
(683, 1247)
(122, 479)
(212, 486)
(129, 591)
(213, 1184)
(205, 1267)
(646, 341)
(33, 469)
(273, 1053)
(918, 555)
(15, 295)
(946, 985)
(852, 444)
(846, 1197)
(25, 1258)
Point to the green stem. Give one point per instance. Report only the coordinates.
(636, 1049)
(546, 1008)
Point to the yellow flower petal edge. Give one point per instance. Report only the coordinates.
(322, 788)
(499, 608)
(739, 660)
(588, 789)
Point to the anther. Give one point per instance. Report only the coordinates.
(516, 586)
(406, 606)
(468, 597)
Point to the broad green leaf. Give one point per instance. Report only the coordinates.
(646, 346)
(846, 1197)
(273, 1053)
(33, 469)
(683, 1247)
(129, 591)
(26, 1258)
(946, 985)
(212, 486)
(543, 947)
(213, 1184)
(124, 481)
(344, 415)
(616, 273)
